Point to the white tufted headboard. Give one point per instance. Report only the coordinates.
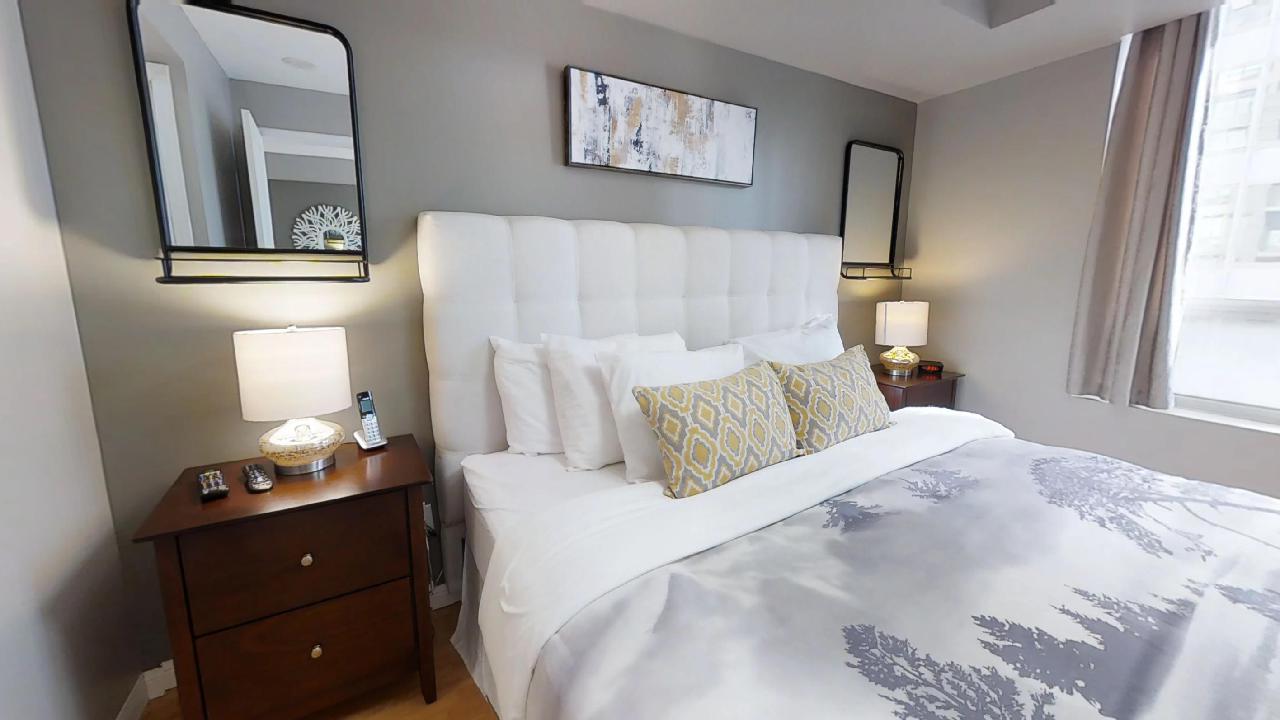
(517, 277)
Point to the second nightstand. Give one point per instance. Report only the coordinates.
(917, 389)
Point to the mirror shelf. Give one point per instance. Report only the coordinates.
(229, 266)
(875, 272)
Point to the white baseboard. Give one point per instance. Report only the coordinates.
(442, 596)
(160, 680)
(136, 703)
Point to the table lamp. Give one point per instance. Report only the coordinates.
(293, 375)
(901, 325)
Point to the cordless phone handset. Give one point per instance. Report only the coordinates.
(369, 436)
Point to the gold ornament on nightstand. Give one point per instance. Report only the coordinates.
(901, 324)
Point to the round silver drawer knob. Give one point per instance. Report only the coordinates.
(307, 560)
(316, 652)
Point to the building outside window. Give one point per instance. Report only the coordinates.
(1228, 357)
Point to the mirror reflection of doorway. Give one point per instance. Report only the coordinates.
(169, 150)
(255, 153)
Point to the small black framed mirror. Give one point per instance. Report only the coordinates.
(870, 208)
(252, 134)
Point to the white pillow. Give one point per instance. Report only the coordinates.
(587, 430)
(524, 388)
(623, 371)
(817, 340)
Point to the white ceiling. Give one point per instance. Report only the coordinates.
(914, 49)
(249, 49)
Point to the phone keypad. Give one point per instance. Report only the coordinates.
(372, 432)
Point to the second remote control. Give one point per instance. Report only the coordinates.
(256, 480)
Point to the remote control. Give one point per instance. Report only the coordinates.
(256, 480)
(212, 486)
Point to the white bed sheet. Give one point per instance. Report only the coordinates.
(577, 549)
(503, 488)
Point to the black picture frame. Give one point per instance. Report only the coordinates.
(897, 203)
(568, 131)
(169, 253)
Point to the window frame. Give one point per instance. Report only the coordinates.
(1227, 412)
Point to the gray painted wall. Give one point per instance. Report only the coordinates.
(461, 110)
(65, 649)
(1005, 182)
(278, 106)
(208, 122)
(289, 199)
(310, 169)
(286, 108)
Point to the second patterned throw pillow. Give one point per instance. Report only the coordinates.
(833, 401)
(713, 431)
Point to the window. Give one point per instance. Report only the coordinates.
(1229, 139)
(1229, 338)
(1211, 240)
(1242, 14)
(1232, 111)
(1269, 246)
(1238, 79)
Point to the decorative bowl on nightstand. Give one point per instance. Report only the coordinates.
(930, 367)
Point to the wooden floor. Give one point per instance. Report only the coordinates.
(459, 698)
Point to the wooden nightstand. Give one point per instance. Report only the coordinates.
(282, 603)
(917, 389)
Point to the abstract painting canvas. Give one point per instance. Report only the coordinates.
(625, 125)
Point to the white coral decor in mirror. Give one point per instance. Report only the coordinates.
(327, 227)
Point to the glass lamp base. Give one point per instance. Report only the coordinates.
(302, 446)
(899, 361)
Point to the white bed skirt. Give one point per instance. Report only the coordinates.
(466, 636)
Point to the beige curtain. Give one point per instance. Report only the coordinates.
(1126, 319)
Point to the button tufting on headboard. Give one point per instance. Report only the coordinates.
(518, 277)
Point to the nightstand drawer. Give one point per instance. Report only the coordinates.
(293, 664)
(938, 394)
(247, 571)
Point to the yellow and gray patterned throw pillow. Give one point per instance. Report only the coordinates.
(833, 401)
(713, 431)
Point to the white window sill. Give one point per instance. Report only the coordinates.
(1248, 417)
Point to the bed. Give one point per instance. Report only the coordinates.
(503, 489)
(940, 568)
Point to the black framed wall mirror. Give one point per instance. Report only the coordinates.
(253, 139)
(870, 209)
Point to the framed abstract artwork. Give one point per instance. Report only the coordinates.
(621, 124)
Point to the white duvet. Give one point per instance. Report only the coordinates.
(565, 557)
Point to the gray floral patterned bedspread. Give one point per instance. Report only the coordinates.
(1001, 580)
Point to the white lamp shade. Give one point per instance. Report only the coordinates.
(902, 324)
(292, 373)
